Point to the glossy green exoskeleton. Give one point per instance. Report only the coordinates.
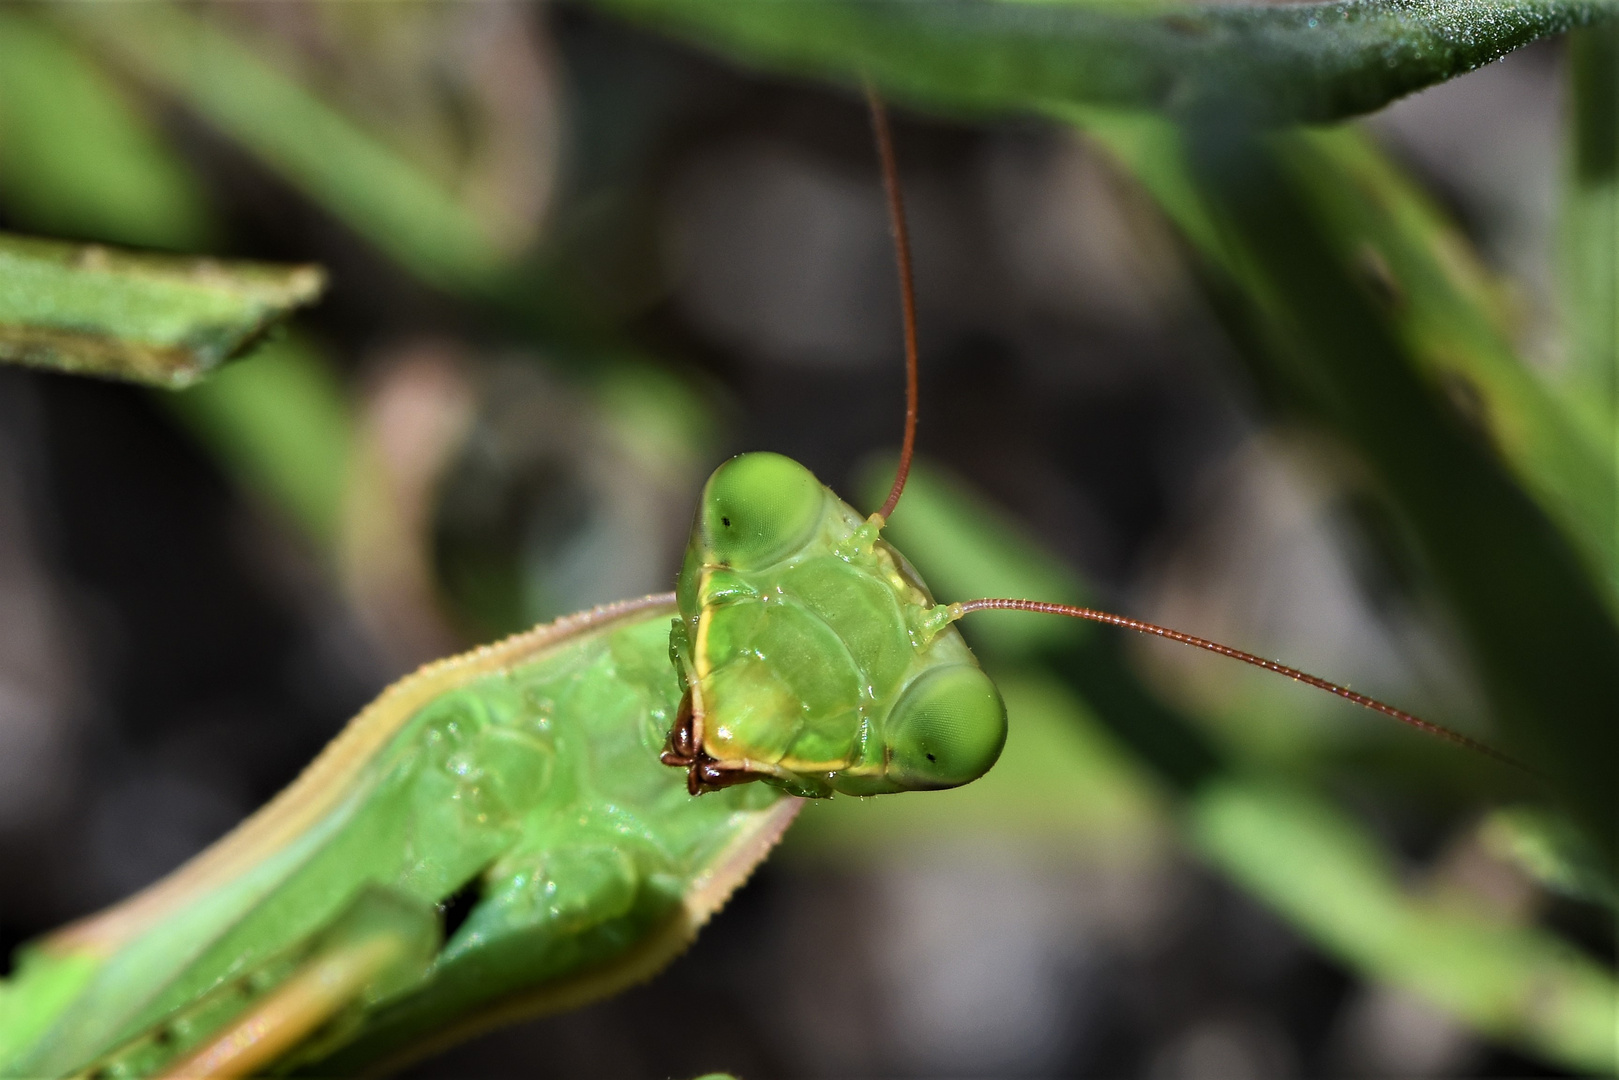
(521, 778)
(813, 656)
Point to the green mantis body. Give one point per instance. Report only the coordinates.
(528, 768)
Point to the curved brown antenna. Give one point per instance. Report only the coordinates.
(958, 610)
(902, 254)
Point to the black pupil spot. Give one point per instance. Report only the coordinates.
(726, 522)
(932, 758)
(458, 906)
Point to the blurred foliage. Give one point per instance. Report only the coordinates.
(1550, 851)
(331, 158)
(1543, 638)
(80, 158)
(1357, 309)
(283, 424)
(1289, 845)
(1590, 278)
(1330, 878)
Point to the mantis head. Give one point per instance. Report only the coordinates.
(813, 656)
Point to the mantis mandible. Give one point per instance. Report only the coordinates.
(530, 781)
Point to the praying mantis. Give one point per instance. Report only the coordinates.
(546, 820)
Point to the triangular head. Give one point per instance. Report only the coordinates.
(814, 658)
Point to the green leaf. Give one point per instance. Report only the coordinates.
(159, 319)
(1274, 62)
(1544, 847)
(1433, 289)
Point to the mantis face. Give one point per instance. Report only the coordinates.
(813, 656)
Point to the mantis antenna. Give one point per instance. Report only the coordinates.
(902, 256)
(907, 291)
(1140, 627)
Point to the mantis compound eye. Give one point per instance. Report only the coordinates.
(758, 509)
(946, 730)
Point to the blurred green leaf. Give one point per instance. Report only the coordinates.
(241, 91)
(1289, 847)
(1536, 619)
(1440, 301)
(1432, 289)
(78, 158)
(1328, 877)
(1590, 250)
(159, 319)
(1591, 213)
(1273, 62)
(255, 100)
(1550, 852)
(1281, 226)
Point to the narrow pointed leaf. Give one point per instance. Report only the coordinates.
(158, 319)
(1278, 62)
